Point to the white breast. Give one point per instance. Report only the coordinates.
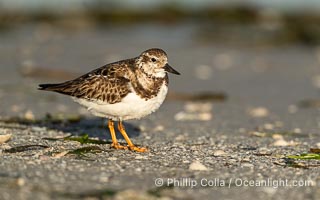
(131, 107)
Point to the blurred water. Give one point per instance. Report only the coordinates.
(274, 77)
(71, 5)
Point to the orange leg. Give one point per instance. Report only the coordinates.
(115, 143)
(126, 137)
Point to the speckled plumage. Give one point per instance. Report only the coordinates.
(111, 83)
(128, 89)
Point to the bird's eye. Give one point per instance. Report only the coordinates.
(153, 59)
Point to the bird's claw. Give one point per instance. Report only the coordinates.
(132, 148)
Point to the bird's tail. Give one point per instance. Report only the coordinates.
(63, 88)
(50, 87)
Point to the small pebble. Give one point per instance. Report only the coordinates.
(180, 138)
(61, 154)
(297, 130)
(147, 137)
(159, 128)
(197, 107)
(258, 112)
(245, 164)
(269, 190)
(197, 166)
(263, 151)
(142, 128)
(29, 115)
(38, 129)
(282, 142)
(139, 157)
(258, 134)
(5, 138)
(195, 111)
(104, 179)
(21, 182)
(246, 159)
(138, 169)
(183, 116)
(219, 153)
(268, 126)
(277, 137)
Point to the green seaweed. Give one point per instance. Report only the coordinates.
(305, 156)
(25, 148)
(53, 139)
(84, 150)
(262, 154)
(291, 163)
(84, 139)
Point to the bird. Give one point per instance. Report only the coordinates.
(124, 90)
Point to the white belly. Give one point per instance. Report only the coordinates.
(131, 107)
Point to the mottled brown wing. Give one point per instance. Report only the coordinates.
(108, 84)
(101, 88)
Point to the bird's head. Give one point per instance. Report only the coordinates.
(154, 62)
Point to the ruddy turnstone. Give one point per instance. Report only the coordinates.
(123, 90)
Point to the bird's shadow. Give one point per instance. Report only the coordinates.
(94, 128)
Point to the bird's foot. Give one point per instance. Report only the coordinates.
(132, 148)
(138, 149)
(118, 146)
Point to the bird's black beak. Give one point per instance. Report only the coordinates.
(168, 68)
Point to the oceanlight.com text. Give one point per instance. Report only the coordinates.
(231, 182)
